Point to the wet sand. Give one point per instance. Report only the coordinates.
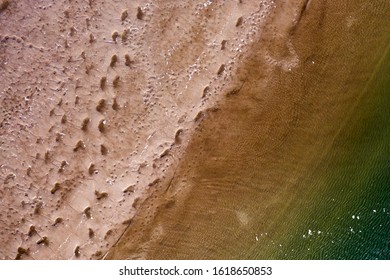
(98, 103)
(171, 129)
(257, 176)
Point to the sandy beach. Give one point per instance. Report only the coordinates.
(292, 155)
(113, 116)
(99, 101)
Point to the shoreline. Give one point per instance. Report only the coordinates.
(175, 129)
(98, 107)
(142, 239)
(241, 189)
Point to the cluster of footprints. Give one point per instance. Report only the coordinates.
(99, 101)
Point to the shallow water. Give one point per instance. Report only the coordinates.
(296, 164)
(347, 216)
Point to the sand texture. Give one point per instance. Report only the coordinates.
(99, 100)
(206, 129)
(294, 153)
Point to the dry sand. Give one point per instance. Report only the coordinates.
(99, 100)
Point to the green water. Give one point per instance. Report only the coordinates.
(341, 210)
(348, 217)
